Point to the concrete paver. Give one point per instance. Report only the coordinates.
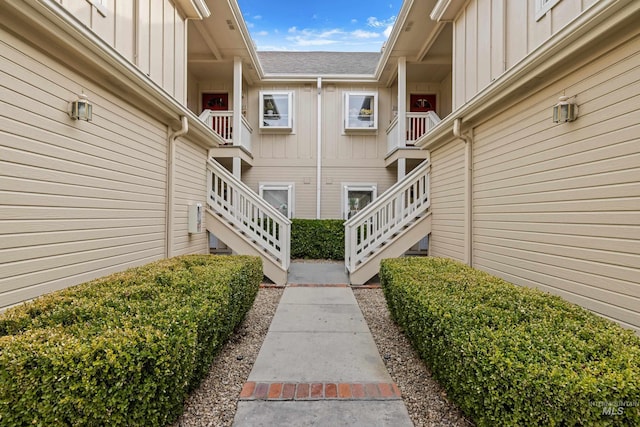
(323, 413)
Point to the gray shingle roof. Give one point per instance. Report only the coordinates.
(319, 63)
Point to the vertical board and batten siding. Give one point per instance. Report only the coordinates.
(283, 156)
(78, 200)
(447, 201)
(148, 33)
(491, 36)
(190, 188)
(557, 206)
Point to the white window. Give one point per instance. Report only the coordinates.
(360, 110)
(355, 197)
(100, 5)
(279, 195)
(276, 110)
(544, 6)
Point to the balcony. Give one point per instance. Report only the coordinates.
(235, 144)
(417, 125)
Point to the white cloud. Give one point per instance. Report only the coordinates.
(262, 33)
(361, 34)
(387, 31)
(257, 17)
(374, 22)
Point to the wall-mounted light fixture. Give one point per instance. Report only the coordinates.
(565, 110)
(81, 109)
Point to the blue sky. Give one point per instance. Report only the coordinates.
(327, 25)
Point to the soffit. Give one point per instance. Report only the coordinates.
(214, 42)
(427, 45)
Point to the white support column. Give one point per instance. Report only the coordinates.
(237, 113)
(402, 113)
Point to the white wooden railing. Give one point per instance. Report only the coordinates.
(221, 122)
(418, 124)
(387, 216)
(249, 213)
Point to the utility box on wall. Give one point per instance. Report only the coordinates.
(194, 218)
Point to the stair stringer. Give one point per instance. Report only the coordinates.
(239, 243)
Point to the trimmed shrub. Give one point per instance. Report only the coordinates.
(510, 355)
(124, 349)
(317, 238)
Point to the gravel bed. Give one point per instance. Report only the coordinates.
(425, 399)
(214, 402)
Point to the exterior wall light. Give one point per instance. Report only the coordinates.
(81, 109)
(565, 111)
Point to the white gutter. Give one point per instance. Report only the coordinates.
(319, 151)
(468, 190)
(171, 154)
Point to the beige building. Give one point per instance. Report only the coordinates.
(198, 140)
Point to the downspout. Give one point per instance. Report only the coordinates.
(319, 152)
(468, 187)
(171, 154)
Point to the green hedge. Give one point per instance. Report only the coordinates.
(125, 349)
(317, 238)
(514, 356)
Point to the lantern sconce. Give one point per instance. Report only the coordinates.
(81, 108)
(565, 110)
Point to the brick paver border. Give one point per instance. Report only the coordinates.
(319, 391)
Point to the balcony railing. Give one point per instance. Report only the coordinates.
(418, 124)
(222, 123)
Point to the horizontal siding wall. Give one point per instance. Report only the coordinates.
(447, 201)
(558, 206)
(190, 188)
(77, 200)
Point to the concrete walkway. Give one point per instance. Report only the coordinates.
(319, 364)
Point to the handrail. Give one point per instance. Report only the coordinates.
(384, 218)
(260, 222)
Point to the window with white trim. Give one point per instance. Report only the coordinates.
(276, 110)
(356, 197)
(280, 196)
(100, 5)
(360, 111)
(544, 6)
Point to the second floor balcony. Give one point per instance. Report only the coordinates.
(402, 146)
(236, 144)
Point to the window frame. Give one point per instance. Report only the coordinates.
(349, 117)
(356, 186)
(264, 94)
(543, 7)
(280, 186)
